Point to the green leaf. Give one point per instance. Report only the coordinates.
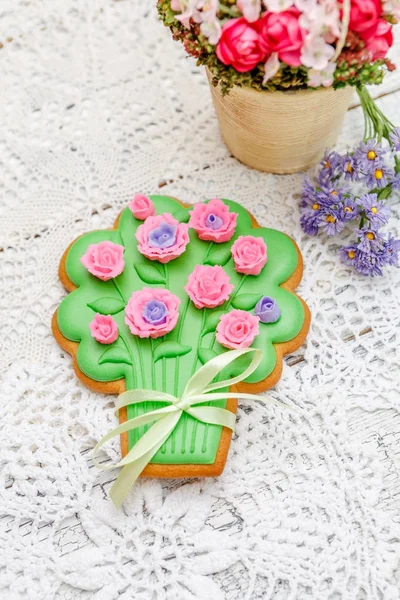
(115, 354)
(219, 255)
(149, 273)
(107, 306)
(212, 320)
(206, 354)
(181, 215)
(170, 350)
(246, 301)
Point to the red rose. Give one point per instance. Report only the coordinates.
(364, 14)
(378, 39)
(239, 45)
(281, 33)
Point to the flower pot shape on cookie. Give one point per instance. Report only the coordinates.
(152, 301)
(280, 132)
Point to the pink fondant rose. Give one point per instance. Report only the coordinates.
(213, 221)
(152, 312)
(237, 329)
(104, 329)
(249, 254)
(142, 207)
(281, 33)
(208, 286)
(240, 45)
(162, 238)
(104, 260)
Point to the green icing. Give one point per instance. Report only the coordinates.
(166, 364)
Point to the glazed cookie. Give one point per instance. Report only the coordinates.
(167, 290)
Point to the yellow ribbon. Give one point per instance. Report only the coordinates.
(199, 389)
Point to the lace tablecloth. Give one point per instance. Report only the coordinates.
(97, 103)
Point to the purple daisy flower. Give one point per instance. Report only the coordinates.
(368, 239)
(350, 167)
(376, 211)
(329, 164)
(349, 209)
(348, 254)
(395, 138)
(396, 182)
(368, 155)
(331, 221)
(380, 176)
(391, 249)
(366, 263)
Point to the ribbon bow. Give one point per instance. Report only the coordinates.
(198, 390)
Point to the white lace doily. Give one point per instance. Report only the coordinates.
(97, 103)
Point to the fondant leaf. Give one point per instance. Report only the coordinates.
(170, 350)
(107, 306)
(149, 273)
(181, 215)
(212, 320)
(206, 354)
(246, 301)
(115, 354)
(219, 255)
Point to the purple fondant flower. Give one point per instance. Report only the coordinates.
(395, 138)
(375, 210)
(155, 312)
(214, 222)
(267, 310)
(163, 236)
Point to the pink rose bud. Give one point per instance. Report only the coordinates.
(213, 221)
(104, 260)
(237, 329)
(208, 287)
(249, 254)
(152, 312)
(104, 329)
(142, 207)
(162, 238)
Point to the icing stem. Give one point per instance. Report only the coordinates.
(119, 291)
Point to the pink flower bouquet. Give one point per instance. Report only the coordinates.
(280, 44)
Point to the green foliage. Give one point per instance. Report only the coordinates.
(149, 273)
(170, 350)
(107, 306)
(246, 301)
(115, 354)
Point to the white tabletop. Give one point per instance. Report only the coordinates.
(97, 103)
